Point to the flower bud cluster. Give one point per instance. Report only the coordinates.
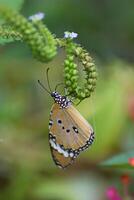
(39, 38)
(72, 80)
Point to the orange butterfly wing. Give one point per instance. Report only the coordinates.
(69, 134)
(60, 160)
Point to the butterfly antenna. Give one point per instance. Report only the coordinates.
(58, 85)
(44, 87)
(47, 71)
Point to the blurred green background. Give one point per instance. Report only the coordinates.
(27, 171)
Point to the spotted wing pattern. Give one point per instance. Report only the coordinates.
(69, 134)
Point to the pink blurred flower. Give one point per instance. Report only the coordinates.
(131, 161)
(112, 194)
(117, 198)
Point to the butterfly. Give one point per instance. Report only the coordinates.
(69, 132)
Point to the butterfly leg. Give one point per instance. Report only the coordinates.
(78, 103)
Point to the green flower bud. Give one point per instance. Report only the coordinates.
(36, 35)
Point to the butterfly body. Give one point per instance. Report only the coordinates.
(69, 132)
(63, 101)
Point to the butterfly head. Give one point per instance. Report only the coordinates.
(54, 94)
(63, 101)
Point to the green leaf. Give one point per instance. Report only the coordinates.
(119, 161)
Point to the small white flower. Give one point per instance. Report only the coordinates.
(74, 35)
(70, 35)
(37, 17)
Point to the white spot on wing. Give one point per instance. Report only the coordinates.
(66, 154)
(58, 148)
(53, 144)
(71, 154)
